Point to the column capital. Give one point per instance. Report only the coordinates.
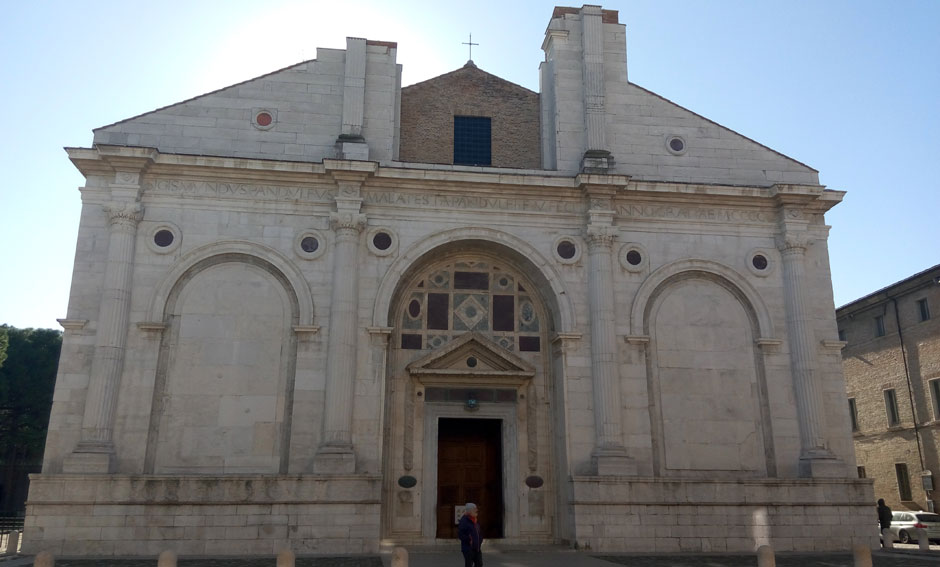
(124, 213)
(600, 235)
(794, 242)
(347, 220)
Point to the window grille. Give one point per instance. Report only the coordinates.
(472, 140)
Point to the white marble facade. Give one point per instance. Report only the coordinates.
(253, 360)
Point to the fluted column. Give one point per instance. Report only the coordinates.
(609, 454)
(816, 459)
(95, 451)
(336, 453)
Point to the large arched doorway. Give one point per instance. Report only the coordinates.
(469, 397)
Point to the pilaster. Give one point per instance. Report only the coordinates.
(816, 460)
(609, 456)
(336, 454)
(351, 144)
(95, 452)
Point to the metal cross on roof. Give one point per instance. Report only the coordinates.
(470, 44)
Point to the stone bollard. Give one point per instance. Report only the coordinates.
(861, 556)
(13, 542)
(922, 542)
(44, 559)
(887, 538)
(167, 559)
(765, 556)
(285, 558)
(399, 557)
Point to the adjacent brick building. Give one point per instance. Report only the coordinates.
(892, 373)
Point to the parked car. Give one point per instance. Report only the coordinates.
(904, 526)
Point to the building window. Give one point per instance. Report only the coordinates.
(935, 397)
(471, 295)
(472, 136)
(904, 482)
(879, 326)
(924, 309)
(891, 408)
(842, 334)
(861, 472)
(853, 413)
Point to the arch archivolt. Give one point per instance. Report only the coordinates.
(236, 250)
(726, 276)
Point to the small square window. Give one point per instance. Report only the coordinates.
(879, 326)
(842, 334)
(924, 309)
(891, 408)
(853, 414)
(472, 140)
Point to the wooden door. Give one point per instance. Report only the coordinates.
(469, 469)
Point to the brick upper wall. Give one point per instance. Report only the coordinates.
(428, 109)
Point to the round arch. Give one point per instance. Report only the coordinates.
(530, 262)
(277, 264)
(653, 284)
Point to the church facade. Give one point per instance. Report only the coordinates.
(320, 311)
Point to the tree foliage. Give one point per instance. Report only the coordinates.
(27, 380)
(4, 341)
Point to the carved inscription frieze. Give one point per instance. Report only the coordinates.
(479, 202)
(707, 214)
(239, 190)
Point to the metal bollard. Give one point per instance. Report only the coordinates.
(285, 558)
(167, 559)
(44, 559)
(861, 556)
(399, 557)
(922, 542)
(887, 538)
(765, 556)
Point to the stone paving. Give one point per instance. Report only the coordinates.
(551, 558)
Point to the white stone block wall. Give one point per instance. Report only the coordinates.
(652, 515)
(254, 515)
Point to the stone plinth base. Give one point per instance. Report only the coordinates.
(699, 516)
(334, 460)
(821, 467)
(352, 149)
(613, 464)
(90, 462)
(202, 515)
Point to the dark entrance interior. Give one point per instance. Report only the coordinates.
(469, 469)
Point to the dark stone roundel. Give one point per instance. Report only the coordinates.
(534, 481)
(759, 261)
(163, 238)
(407, 481)
(566, 249)
(309, 244)
(382, 240)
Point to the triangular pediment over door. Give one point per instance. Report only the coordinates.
(471, 359)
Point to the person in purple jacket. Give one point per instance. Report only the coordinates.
(470, 536)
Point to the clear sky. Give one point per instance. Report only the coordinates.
(849, 87)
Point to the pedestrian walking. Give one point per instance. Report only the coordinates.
(884, 516)
(470, 536)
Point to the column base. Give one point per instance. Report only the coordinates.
(597, 161)
(613, 462)
(820, 463)
(90, 457)
(334, 459)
